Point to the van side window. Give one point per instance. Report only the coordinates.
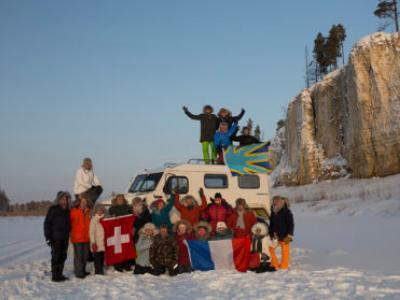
(177, 181)
(216, 181)
(249, 181)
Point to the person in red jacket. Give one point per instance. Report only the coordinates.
(242, 219)
(183, 232)
(189, 208)
(80, 222)
(217, 211)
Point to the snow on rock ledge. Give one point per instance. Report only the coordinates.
(350, 121)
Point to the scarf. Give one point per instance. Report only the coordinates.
(240, 221)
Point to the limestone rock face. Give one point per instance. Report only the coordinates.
(348, 123)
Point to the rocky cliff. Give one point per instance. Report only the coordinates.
(348, 123)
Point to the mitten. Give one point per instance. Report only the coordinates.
(288, 239)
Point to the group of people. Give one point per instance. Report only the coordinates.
(217, 132)
(159, 244)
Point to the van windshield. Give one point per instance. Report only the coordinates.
(145, 183)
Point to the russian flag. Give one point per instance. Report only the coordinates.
(232, 254)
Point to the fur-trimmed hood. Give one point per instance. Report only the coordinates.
(262, 226)
(189, 227)
(202, 224)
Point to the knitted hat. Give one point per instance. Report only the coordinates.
(218, 195)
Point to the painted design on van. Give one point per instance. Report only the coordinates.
(248, 159)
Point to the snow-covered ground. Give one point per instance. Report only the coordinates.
(343, 249)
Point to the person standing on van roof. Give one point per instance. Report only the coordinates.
(222, 139)
(189, 209)
(225, 115)
(208, 127)
(246, 138)
(217, 211)
(160, 212)
(87, 184)
(242, 219)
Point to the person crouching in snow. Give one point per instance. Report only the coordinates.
(142, 216)
(57, 226)
(164, 253)
(160, 212)
(80, 222)
(189, 208)
(208, 124)
(202, 231)
(281, 227)
(261, 244)
(96, 233)
(183, 232)
(143, 245)
(217, 211)
(242, 219)
(222, 232)
(120, 207)
(223, 139)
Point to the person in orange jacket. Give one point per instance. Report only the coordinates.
(189, 208)
(242, 219)
(281, 227)
(80, 222)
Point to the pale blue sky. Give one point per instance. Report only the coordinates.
(107, 79)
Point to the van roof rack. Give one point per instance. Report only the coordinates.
(196, 161)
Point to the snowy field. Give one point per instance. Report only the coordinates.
(343, 249)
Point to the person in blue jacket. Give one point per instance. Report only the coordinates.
(160, 212)
(223, 139)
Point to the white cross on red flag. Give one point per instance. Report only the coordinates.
(118, 239)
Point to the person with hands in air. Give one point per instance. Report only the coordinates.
(57, 227)
(96, 233)
(160, 211)
(208, 127)
(225, 115)
(189, 209)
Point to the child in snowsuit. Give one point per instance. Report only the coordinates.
(222, 232)
(222, 139)
(183, 232)
(208, 125)
(242, 219)
(261, 246)
(217, 211)
(80, 221)
(164, 253)
(56, 231)
(160, 212)
(96, 233)
(142, 216)
(202, 231)
(281, 227)
(143, 245)
(189, 208)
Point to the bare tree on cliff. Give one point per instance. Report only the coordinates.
(387, 9)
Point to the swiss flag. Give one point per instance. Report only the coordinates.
(118, 239)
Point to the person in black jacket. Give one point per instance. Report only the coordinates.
(208, 125)
(225, 116)
(120, 207)
(245, 138)
(142, 214)
(281, 227)
(56, 231)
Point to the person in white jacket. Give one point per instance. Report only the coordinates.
(260, 245)
(96, 234)
(87, 184)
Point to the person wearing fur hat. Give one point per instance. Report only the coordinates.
(225, 115)
(80, 222)
(260, 249)
(281, 227)
(223, 139)
(202, 231)
(87, 184)
(242, 219)
(160, 212)
(57, 227)
(189, 209)
(208, 126)
(222, 232)
(96, 234)
(164, 253)
(120, 207)
(142, 216)
(217, 211)
(184, 232)
(143, 245)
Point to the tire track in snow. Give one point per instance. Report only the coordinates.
(21, 255)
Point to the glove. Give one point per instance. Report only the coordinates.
(264, 257)
(184, 108)
(288, 239)
(48, 242)
(94, 248)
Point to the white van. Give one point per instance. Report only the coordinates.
(193, 175)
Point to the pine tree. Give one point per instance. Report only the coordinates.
(387, 9)
(249, 125)
(257, 132)
(4, 201)
(319, 53)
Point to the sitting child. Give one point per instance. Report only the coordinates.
(260, 249)
(222, 232)
(189, 209)
(202, 231)
(222, 139)
(96, 234)
(183, 232)
(146, 234)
